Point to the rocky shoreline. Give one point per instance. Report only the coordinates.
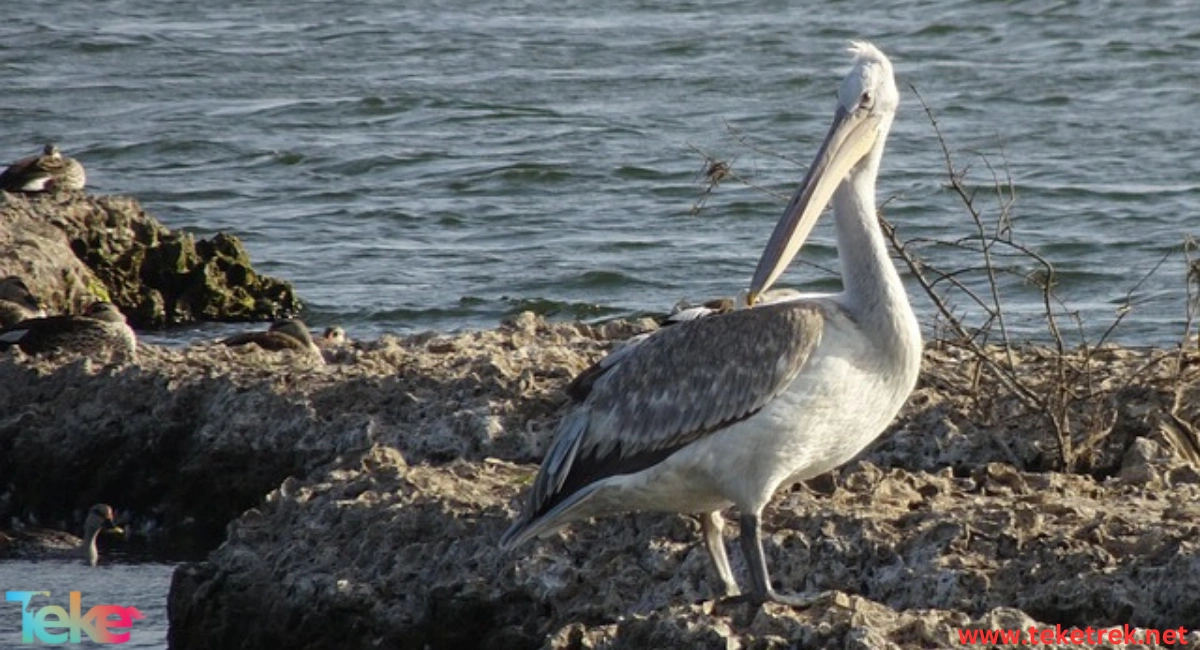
(359, 504)
(72, 248)
(943, 525)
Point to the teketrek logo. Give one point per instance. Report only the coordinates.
(51, 624)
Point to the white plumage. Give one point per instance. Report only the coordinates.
(728, 409)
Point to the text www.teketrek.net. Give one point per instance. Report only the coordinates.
(1057, 635)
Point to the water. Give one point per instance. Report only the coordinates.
(143, 586)
(439, 165)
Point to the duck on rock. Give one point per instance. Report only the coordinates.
(47, 172)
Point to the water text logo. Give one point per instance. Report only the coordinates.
(98, 623)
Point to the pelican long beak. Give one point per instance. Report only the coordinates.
(850, 138)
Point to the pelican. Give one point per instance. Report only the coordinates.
(728, 409)
(101, 330)
(49, 171)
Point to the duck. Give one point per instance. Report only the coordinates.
(334, 344)
(47, 172)
(333, 336)
(101, 331)
(17, 302)
(287, 334)
(684, 311)
(41, 543)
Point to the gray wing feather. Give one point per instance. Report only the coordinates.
(680, 384)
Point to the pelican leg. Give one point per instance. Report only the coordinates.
(712, 523)
(760, 581)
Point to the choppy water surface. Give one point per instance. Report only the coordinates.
(440, 165)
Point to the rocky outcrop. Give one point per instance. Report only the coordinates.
(73, 248)
(33, 248)
(949, 524)
(364, 500)
(381, 553)
(189, 439)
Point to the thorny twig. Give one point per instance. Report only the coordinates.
(717, 171)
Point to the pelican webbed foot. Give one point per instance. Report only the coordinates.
(795, 601)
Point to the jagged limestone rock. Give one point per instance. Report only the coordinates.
(157, 277)
(359, 504)
(34, 249)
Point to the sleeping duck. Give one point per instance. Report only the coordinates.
(100, 331)
(17, 302)
(288, 334)
(47, 172)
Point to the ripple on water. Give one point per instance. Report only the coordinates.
(444, 150)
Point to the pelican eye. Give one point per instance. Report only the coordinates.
(866, 100)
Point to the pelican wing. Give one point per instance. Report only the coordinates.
(654, 396)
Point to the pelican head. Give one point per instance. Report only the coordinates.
(867, 101)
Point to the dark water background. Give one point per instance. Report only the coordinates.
(442, 165)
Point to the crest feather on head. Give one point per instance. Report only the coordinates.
(865, 52)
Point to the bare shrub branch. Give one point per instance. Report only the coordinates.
(1079, 410)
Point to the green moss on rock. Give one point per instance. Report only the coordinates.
(159, 277)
